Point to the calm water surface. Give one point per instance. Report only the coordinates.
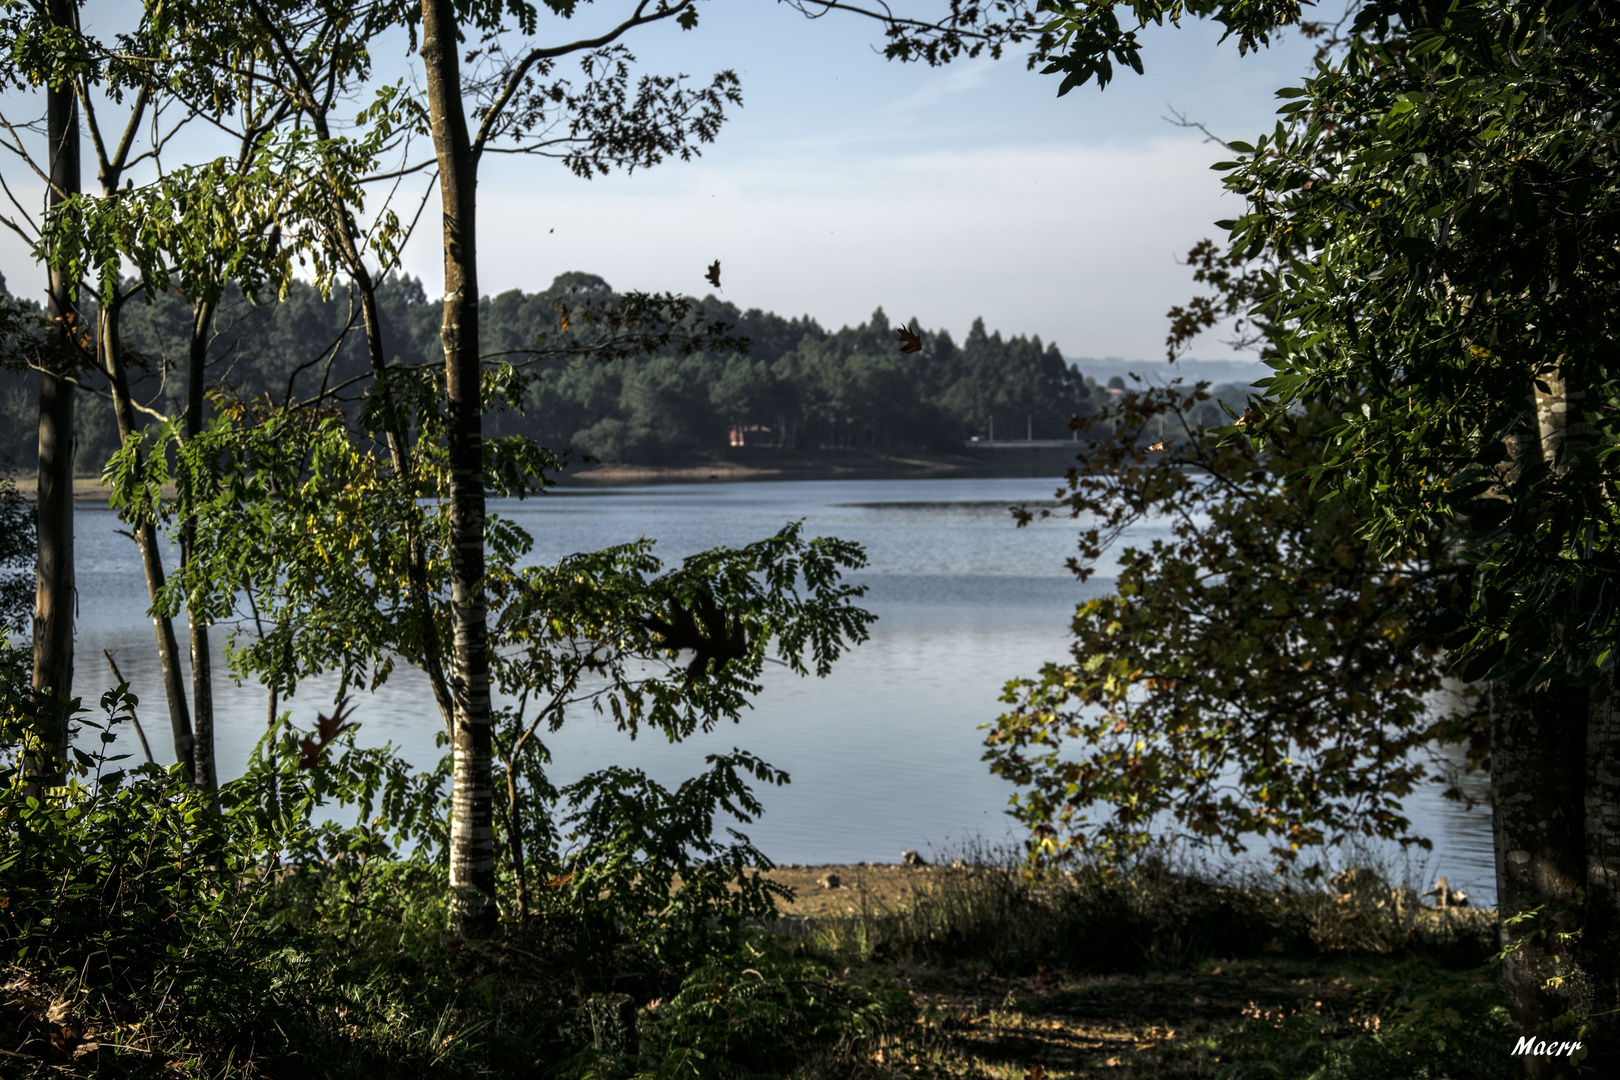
(884, 753)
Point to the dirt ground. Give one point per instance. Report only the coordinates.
(872, 886)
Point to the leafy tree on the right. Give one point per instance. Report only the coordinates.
(1438, 214)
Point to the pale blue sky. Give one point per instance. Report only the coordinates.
(847, 182)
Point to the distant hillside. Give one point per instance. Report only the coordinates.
(1188, 369)
(798, 387)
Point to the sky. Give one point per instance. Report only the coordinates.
(848, 182)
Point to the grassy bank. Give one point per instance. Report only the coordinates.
(976, 971)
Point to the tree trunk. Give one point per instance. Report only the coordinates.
(472, 832)
(1600, 936)
(396, 429)
(146, 539)
(514, 839)
(202, 658)
(1553, 775)
(1538, 747)
(53, 582)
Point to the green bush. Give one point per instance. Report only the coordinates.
(1446, 1026)
(142, 921)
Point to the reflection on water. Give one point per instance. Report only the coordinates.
(884, 753)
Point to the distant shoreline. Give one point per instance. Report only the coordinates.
(829, 465)
(756, 465)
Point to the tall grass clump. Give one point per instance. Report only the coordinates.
(991, 907)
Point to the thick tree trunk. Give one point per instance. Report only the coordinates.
(202, 657)
(146, 539)
(1600, 936)
(53, 590)
(472, 832)
(1538, 750)
(1553, 778)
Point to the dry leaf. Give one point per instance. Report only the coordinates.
(714, 273)
(909, 342)
(327, 728)
(1157, 446)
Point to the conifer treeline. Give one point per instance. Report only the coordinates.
(798, 386)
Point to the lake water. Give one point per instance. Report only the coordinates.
(884, 754)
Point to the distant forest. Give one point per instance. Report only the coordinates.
(798, 386)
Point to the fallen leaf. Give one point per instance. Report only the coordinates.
(909, 342)
(714, 273)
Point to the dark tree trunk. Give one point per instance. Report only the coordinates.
(1556, 778)
(472, 832)
(202, 658)
(53, 591)
(1600, 936)
(1538, 767)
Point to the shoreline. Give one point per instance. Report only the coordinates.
(866, 887)
(761, 465)
(749, 466)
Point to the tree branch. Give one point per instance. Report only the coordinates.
(514, 79)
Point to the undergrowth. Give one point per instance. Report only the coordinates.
(146, 930)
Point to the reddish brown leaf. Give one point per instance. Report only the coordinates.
(330, 726)
(909, 342)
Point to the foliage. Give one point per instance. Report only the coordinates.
(1251, 676)
(757, 1008)
(126, 883)
(161, 933)
(786, 383)
(305, 539)
(16, 553)
(1089, 38)
(1442, 1023)
(1438, 207)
